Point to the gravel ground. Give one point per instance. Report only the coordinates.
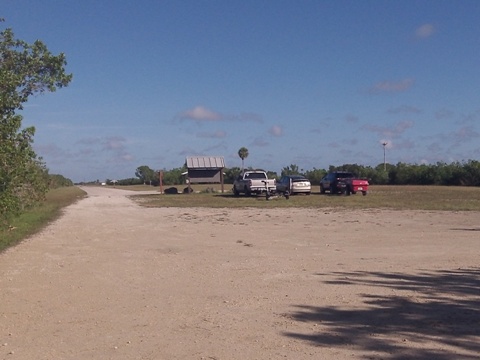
(113, 280)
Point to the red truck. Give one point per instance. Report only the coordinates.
(343, 182)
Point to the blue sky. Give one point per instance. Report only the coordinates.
(311, 83)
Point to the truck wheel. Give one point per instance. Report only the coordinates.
(364, 193)
(347, 191)
(247, 191)
(235, 192)
(322, 190)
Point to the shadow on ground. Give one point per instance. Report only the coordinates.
(431, 315)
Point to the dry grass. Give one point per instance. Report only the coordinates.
(391, 197)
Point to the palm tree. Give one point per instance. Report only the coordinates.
(243, 153)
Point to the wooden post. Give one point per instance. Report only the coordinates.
(221, 178)
(160, 175)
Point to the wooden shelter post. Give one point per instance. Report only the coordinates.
(160, 178)
(221, 178)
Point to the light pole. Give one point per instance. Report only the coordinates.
(384, 157)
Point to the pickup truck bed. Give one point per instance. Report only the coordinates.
(343, 182)
(356, 185)
(253, 182)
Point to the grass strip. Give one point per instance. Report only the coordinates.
(438, 198)
(36, 218)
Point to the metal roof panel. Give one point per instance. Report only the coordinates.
(205, 162)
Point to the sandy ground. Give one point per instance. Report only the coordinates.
(113, 280)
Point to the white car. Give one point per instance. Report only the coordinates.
(294, 184)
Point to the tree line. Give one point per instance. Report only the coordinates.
(457, 173)
(454, 174)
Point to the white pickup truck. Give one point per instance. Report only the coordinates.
(253, 182)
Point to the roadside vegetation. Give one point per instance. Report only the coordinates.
(37, 217)
(30, 197)
(26, 70)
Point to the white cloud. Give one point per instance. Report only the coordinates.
(114, 143)
(51, 150)
(108, 143)
(127, 157)
(473, 117)
(216, 147)
(188, 151)
(465, 134)
(435, 147)
(404, 109)
(335, 145)
(392, 86)
(402, 126)
(200, 113)
(405, 144)
(398, 129)
(215, 135)
(351, 118)
(259, 142)
(276, 131)
(444, 114)
(425, 31)
(251, 117)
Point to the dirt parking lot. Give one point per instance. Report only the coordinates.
(113, 280)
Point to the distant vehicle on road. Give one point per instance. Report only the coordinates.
(294, 184)
(343, 182)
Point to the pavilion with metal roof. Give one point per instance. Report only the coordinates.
(205, 169)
